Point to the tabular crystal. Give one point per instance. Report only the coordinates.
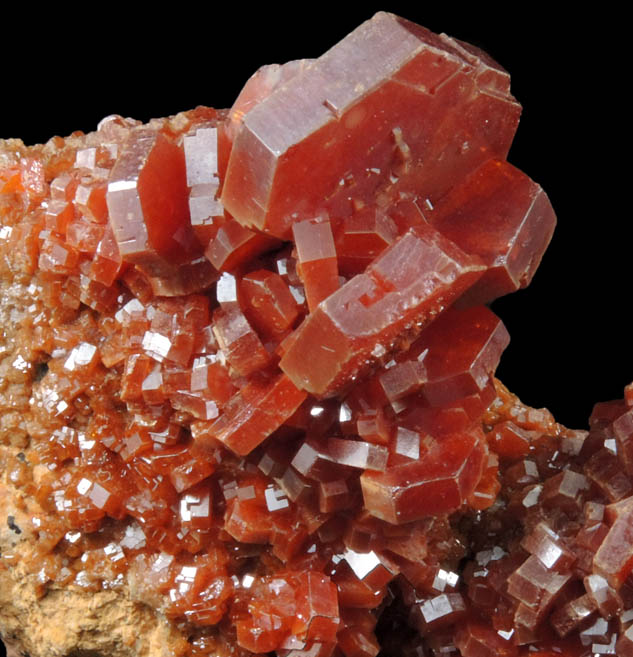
(247, 393)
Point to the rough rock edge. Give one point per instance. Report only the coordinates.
(68, 621)
(64, 622)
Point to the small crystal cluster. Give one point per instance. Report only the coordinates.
(255, 366)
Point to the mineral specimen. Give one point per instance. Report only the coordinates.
(248, 396)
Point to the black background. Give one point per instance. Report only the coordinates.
(570, 329)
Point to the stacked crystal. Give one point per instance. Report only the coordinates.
(254, 371)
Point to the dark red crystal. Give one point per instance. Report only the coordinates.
(399, 293)
(368, 91)
(147, 203)
(260, 371)
(505, 218)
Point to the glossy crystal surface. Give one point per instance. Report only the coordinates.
(368, 90)
(505, 218)
(260, 372)
(399, 293)
(146, 190)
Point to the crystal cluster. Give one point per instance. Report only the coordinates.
(254, 371)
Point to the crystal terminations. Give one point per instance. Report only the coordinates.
(248, 387)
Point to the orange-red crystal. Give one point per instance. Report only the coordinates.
(260, 370)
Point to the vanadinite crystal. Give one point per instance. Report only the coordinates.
(248, 372)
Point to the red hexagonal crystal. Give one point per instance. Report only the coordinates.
(147, 203)
(369, 91)
(254, 413)
(439, 482)
(505, 218)
(400, 292)
(245, 363)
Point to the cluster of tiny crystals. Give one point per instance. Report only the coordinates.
(247, 371)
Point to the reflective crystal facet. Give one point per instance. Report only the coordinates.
(401, 290)
(342, 98)
(247, 376)
(501, 215)
(149, 178)
(437, 483)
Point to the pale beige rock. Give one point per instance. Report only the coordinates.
(68, 621)
(55, 622)
(37, 618)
